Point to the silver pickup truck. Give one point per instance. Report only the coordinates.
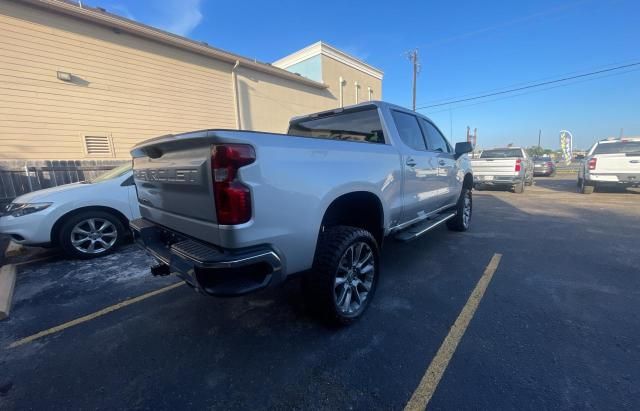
(231, 212)
(509, 167)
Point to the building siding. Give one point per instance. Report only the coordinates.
(267, 103)
(332, 70)
(124, 87)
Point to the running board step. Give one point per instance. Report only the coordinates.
(417, 230)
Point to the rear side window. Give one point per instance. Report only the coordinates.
(409, 130)
(435, 140)
(618, 147)
(502, 153)
(361, 125)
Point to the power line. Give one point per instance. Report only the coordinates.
(544, 83)
(537, 80)
(531, 91)
(508, 23)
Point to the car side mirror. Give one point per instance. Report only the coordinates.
(463, 147)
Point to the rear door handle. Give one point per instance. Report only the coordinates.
(442, 162)
(411, 162)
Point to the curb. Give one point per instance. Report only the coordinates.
(14, 250)
(7, 285)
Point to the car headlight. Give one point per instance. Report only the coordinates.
(20, 209)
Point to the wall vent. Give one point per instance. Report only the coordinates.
(98, 146)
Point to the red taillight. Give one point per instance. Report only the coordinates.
(233, 199)
(518, 164)
(549, 163)
(592, 163)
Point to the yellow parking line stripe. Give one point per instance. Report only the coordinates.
(422, 395)
(90, 317)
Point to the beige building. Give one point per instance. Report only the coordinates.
(83, 84)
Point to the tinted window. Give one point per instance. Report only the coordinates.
(361, 125)
(409, 130)
(435, 140)
(502, 153)
(542, 159)
(618, 147)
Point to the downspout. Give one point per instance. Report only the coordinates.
(236, 99)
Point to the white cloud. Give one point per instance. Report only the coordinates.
(180, 16)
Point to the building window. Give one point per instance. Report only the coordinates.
(97, 146)
(370, 93)
(357, 92)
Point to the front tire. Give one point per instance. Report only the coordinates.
(464, 209)
(344, 275)
(530, 182)
(91, 234)
(519, 189)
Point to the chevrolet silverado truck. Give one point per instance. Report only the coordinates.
(509, 167)
(612, 162)
(232, 212)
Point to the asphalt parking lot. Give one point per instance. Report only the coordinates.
(557, 328)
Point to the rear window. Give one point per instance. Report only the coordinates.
(502, 153)
(542, 159)
(362, 125)
(618, 147)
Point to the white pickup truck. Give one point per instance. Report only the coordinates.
(612, 162)
(231, 212)
(503, 167)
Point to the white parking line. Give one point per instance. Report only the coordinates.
(422, 395)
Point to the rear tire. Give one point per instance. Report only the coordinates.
(586, 187)
(102, 230)
(346, 269)
(464, 210)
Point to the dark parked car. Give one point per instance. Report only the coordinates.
(544, 166)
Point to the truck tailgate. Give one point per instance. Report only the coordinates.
(494, 167)
(617, 163)
(173, 180)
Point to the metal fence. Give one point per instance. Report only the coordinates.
(21, 177)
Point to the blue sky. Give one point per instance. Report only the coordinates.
(466, 48)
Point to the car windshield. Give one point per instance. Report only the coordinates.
(618, 147)
(361, 125)
(502, 153)
(113, 173)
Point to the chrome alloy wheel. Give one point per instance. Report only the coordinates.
(466, 211)
(354, 278)
(94, 235)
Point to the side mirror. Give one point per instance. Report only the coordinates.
(463, 147)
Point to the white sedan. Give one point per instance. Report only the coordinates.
(87, 219)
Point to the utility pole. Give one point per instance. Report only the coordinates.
(621, 132)
(413, 57)
(539, 135)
